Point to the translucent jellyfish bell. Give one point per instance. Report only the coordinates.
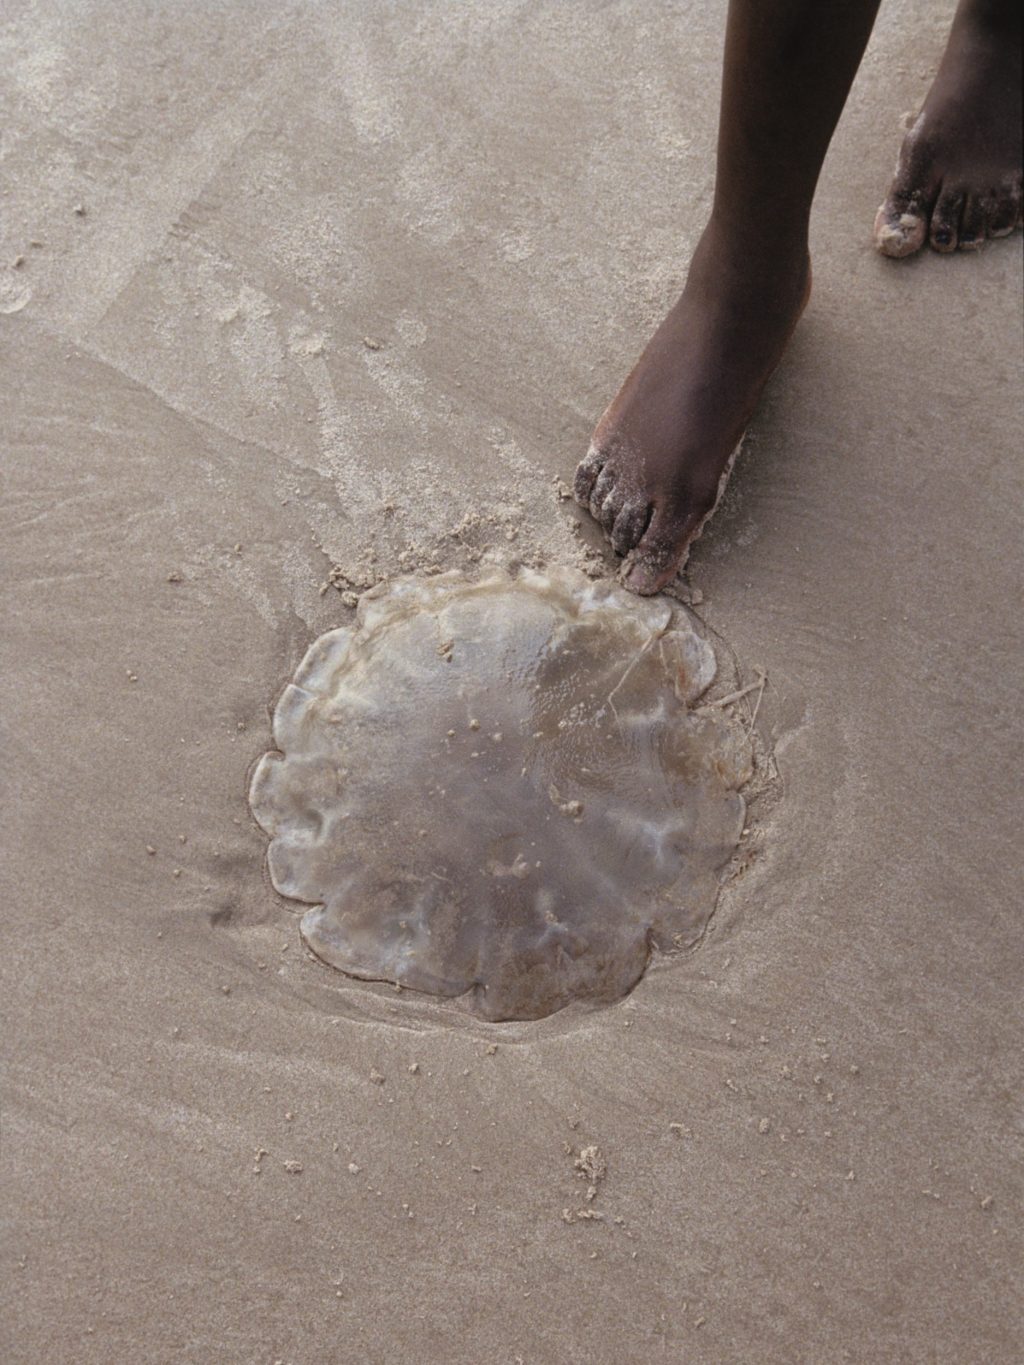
(497, 790)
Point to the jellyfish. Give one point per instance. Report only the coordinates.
(501, 790)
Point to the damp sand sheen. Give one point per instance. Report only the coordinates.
(500, 790)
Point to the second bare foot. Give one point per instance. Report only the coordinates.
(958, 179)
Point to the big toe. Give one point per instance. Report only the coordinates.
(901, 228)
(660, 551)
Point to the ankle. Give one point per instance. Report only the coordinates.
(776, 259)
(757, 231)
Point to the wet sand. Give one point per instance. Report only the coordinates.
(312, 295)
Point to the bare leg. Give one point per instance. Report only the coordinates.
(659, 452)
(958, 178)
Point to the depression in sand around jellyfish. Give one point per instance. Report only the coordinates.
(499, 790)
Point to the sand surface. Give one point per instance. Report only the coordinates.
(322, 292)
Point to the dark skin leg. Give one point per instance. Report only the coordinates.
(661, 449)
(958, 178)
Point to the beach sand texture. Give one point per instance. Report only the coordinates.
(300, 297)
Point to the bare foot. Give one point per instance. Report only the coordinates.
(659, 453)
(958, 178)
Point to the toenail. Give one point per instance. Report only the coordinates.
(943, 236)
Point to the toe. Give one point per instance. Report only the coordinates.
(901, 224)
(899, 234)
(1005, 214)
(990, 205)
(973, 223)
(629, 526)
(586, 473)
(603, 485)
(945, 228)
(611, 507)
(658, 553)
